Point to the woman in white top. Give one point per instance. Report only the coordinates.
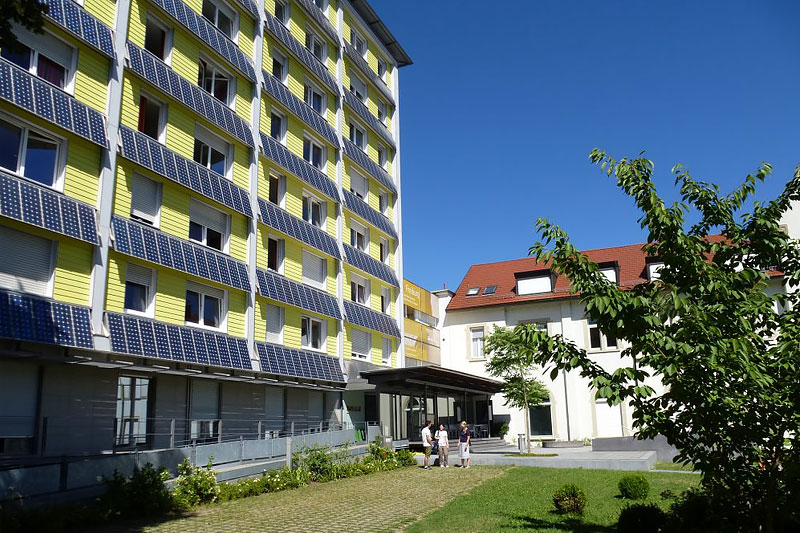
(444, 444)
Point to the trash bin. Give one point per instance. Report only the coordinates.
(521, 442)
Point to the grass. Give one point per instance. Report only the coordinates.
(673, 466)
(522, 499)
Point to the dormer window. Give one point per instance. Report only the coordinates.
(473, 291)
(610, 271)
(534, 283)
(491, 289)
(654, 269)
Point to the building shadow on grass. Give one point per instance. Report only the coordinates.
(560, 523)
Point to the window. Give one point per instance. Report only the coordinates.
(276, 249)
(359, 290)
(132, 407)
(145, 199)
(313, 210)
(30, 153)
(216, 82)
(314, 98)
(315, 45)
(386, 300)
(152, 117)
(358, 136)
(541, 420)
(472, 291)
(358, 88)
(597, 339)
(382, 70)
(139, 289)
(359, 185)
(383, 203)
(359, 236)
(277, 126)
(282, 12)
(157, 38)
(277, 189)
(384, 250)
(476, 336)
(204, 306)
(491, 289)
(410, 312)
(362, 343)
(275, 320)
(321, 4)
(221, 16)
(211, 151)
(280, 66)
(315, 270)
(314, 153)
(610, 273)
(386, 351)
(382, 112)
(534, 284)
(654, 269)
(27, 262)
(358, 42)
(382, 156)
(207, 226)
(311, 333)
(44, 56)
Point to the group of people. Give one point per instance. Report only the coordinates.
(443, 443)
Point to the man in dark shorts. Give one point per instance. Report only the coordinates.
(464, 441)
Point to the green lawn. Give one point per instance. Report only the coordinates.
(673, 466)
(521, 498)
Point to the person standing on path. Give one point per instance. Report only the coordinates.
(464, 439)
(427, 443)
(444, 443)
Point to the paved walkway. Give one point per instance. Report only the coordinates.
(386, 501)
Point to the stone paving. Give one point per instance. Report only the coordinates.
(386, 501)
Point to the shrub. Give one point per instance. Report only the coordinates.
(570, 499)
(195, 485)
(142, 494)
(634, 487)
(639, 517)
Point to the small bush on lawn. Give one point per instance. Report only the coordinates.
(195, 485)
(634, 487)
(142, 494)
(640, 517)
(570, 499)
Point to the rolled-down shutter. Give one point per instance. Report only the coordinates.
(208, 217)
(274, 408)
(205, 399)
(274, 323)
(145, 198)
(26, 261)
(313, 269)
(19, 391)
(139, 274)
(362, 341)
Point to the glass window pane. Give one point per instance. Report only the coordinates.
(211, 311)
(594, 337)
(225, 24)
(40, 159)
(135, 297)
(51, 71)
(192, 310)
(541, 422)
(10, 137)
(20, 57)
(276, 127)
(217, 162)
(195, 232)
(304, 331)
(221, 88)
(155, 39)
(611, 342)
(209, 10)
(277, 68)
(316, 334)
(213, 239)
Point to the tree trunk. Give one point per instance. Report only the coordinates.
(527, 415)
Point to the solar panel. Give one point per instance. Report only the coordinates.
(319, 18)
(276, 287)
(281, 155)
(280, 360)
(282, 94)
(371, 266)
(16, 86)
(278, 219)
(363, 210)
(152, 70)
(363, 66)
(31, 318)
(81, 24)
(367, 318)
(150, 244)
(371, 167)
(372, 121)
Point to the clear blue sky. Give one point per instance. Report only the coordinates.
(503, 105)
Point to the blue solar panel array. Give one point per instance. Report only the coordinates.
(363, 210)
(302, 53)
(276, 218)
(283, 361)
(154, 71)
(372, 121)
(206, 31)
(28, 318)
(363, 66)
(371, 167)
(373, 267)
(251, 7)
(319, 17)
(285, 159)
(40, 98)
(80, 23)
(277, 287)
(282, 94)
(151, 154)
(155, 246)
(367, 318)
(43, 208)
(149, 338)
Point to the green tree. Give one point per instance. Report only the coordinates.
(725, 348)
(28, 13)
(511, 360)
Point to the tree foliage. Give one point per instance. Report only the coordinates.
(28, 13)
(511, 360)
(724, 348)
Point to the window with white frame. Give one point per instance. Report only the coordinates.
(29, 152)
(208, 226)
(158, 38)
(382, 112)
(315, 270)
(277, 126)
(383, 202)
(384, 250)
(205, 306)
(314, 97)
(541, 420)
(358, 42)
(314, 210)
(386, 300)
(610, 273)
(276, 253)
(359, 236)
(654, 269)
(275, 318)
(321, 4)
(358, 88)
(211, 151)
(386, 351)
(315, 45)
(282, 12)
(599, 340)
(358, 136)
(216, 82)
(382, 70)
(277, 189)
(44, 56)
(152, 117)
(139, 289)
(145, 199)
(382, 158)
(314, 153)
(222, 16)
(476, 342)
(27, 262)
(359, 185)
(359, 289)
(312, 333)
(534, 284)
(280, 66)
(361, 342)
